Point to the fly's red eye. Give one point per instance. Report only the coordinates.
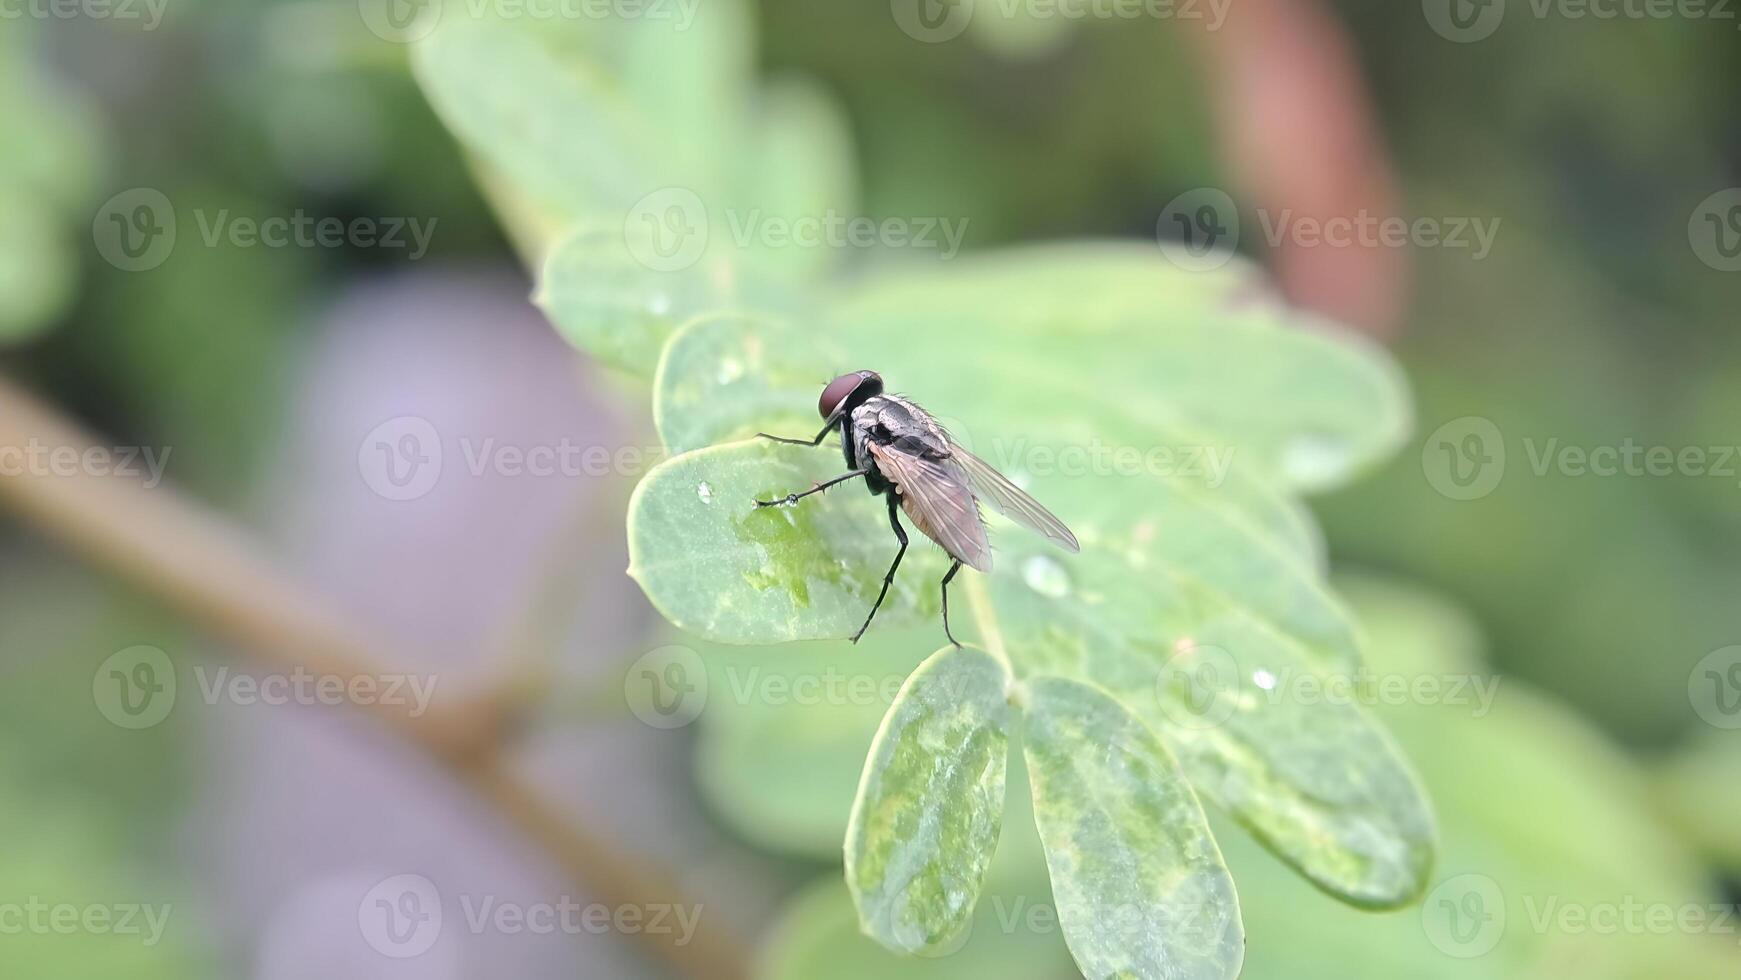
(836, 393)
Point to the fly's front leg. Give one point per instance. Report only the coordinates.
(799, 442)
(793, 498)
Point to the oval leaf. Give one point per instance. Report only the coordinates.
(930, 804)
(1140, 886)
(715, 564)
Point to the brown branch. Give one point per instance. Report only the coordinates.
(198, 563)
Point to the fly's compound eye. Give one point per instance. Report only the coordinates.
(836, 393)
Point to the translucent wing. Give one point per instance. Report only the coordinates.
(936, 496)
(1010, 500)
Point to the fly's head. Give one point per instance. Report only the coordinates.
(847, 392)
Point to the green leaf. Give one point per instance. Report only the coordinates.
(605, 299)
(549, 125)
(799, 163)
(50, 152)
(1140, 886)
(725, 374)
(716, 565)
(780, 766)
(930, 804)
(1522, 825)
(1171, 564)
(37, 266)
(1210, 353)
(695, 79)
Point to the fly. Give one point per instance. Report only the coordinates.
(908, 459)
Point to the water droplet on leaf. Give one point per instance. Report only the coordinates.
(1046, 576)
(1316, 461)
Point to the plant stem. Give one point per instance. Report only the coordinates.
(979, 597)
(200, 564)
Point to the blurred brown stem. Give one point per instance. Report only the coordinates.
(208, 569)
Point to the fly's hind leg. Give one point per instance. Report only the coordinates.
(949, 575)
(901, 534)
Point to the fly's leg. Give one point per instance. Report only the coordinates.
(793, 498)
(799, 442)
(951, 574)
(894, 522)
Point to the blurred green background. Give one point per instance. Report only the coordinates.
(1594, 321)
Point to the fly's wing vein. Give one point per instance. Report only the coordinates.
(939, 501)
(1010, 500)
